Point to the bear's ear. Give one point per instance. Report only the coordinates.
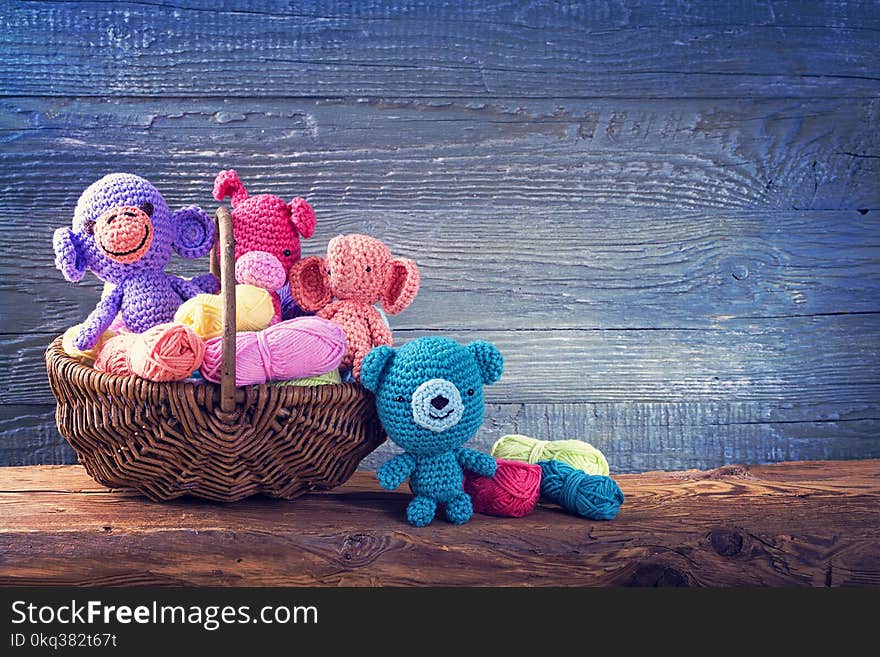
(302, 216)
(374, 365)
(69, 256)
(193, 232)
(310, 284)
(489, 360)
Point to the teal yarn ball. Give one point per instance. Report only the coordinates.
(595, 497)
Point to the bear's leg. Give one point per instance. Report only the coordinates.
(459, 509)
(420, 511)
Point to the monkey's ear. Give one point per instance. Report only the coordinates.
(70, 255)
(193, 232)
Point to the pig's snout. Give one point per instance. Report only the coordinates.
(261, 269)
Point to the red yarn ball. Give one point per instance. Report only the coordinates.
(513, 492)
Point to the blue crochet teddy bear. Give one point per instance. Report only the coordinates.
(429, 396)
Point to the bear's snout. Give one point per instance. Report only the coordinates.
(437, 405)
(124, 233)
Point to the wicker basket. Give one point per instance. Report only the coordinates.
(215, 442)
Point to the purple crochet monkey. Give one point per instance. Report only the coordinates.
(123, 232)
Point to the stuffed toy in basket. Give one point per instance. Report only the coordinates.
(221, 442)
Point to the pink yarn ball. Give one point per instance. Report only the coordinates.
(167, 352)
(114, 355)
(513, 492)
(292, 349)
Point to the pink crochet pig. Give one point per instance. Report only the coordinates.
(359, 271)
(267, 232)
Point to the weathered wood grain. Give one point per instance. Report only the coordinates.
(640, 436)
(737, 361)
(416, 155)
(795, 524)
(465, 49)
(634, 436)
(29, 436)
(572, 271)
(557, 247)
(706, 170)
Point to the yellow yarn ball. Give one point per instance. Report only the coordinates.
(88, 356)
(204, 312)
(321, 380)
(576, 453)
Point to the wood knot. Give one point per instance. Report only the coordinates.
(361, 548)
(740, 271)
(653, 573)
(739, 471)
(726, 543)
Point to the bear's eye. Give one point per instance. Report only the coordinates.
(147, 207)
(471, 391)
(399, 398)
(369, 269)
(286, 253)
(89, 226)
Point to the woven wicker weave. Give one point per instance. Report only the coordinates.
(216, 442)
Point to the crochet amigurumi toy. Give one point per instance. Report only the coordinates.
(124, 232)
(267, 231)
(358, 272)
(429, 396)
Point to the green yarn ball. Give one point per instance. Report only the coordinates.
(576, 453)
(330, 378)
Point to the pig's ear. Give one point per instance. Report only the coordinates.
(193, 232)
(227, 183)
(302, 216)
(70, 255)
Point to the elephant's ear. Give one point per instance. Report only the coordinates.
(193, 232)
(400, 286)
(70, 256)
(310, 284)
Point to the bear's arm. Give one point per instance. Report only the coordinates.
(477, 462)
(99, 319)
(395, 471)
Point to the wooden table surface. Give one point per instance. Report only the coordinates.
(790, 524)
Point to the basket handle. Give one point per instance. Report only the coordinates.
(226, 271)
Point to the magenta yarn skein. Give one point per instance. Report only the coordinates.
(512, 492)
(292, 349)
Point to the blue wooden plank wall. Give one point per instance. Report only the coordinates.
(665, 213)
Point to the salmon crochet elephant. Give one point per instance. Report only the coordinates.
(358, 272)
(267, 233)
